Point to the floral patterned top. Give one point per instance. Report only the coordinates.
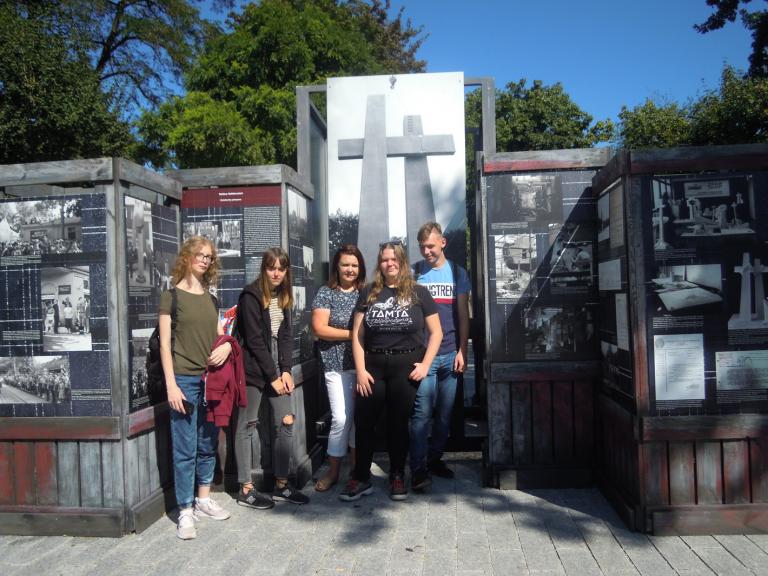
(337, 354)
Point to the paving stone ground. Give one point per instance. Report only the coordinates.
(458, 528)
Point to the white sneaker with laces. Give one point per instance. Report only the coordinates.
(208, 508)
(186, 529)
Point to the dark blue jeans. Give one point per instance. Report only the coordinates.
(434, 401)
(194, 443)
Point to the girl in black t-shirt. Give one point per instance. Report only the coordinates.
(390, 361)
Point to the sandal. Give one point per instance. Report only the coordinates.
(324, 484)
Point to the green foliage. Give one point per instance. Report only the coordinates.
(132, 45)
(539, 117)
(203, 131)
(274, 46)
(735, 113)
(51, 103)
(654, 125)
(756, 22)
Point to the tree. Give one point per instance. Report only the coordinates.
(539, 117)
(132, 45)
(273, 46)
(51, 103)
(737, 113)
(734, 113)
(756, 22)
(653, 125)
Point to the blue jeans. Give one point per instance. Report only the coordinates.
(194, 443)
(434, 399)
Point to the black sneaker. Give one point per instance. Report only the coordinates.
(354, 490)
(397, 489)
(289, 494)
(439, 468)
(420, 479)
(253, 499)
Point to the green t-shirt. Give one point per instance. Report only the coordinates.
(196, 328)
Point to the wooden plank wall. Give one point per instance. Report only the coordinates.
(705, 473)
(67, 474)
(552, 424)
(618, 451)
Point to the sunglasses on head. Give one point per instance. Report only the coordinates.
(390, 243)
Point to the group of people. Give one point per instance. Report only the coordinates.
(39, 247)
(396, 344)
(75, 319)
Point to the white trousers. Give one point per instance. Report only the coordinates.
(341, 387)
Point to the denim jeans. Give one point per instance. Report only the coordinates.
(194, 443)
(434, 400)
(247, 433)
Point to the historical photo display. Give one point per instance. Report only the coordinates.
(151, 249)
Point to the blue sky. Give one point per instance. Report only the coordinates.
(606, 53)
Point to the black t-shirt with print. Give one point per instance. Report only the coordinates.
(392, 326)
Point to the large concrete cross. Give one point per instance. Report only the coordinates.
(374, 149)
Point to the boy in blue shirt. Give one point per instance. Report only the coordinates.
(449, 285)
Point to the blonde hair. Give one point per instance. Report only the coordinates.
(186, 255)
(284, 291)
(405, 284)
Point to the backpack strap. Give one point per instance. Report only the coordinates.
(174, 307)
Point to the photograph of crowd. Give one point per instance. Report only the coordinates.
(298, 220)
(37, 228)
(138, 391)
(66, 305)
(34, 380)
(225, 234)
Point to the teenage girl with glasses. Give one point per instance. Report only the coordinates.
(194, 440)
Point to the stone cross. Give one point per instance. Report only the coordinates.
(374, 149)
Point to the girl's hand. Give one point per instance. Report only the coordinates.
(419, 372)
(364, 383)
(220, 354)
(278, 386)
(288, 382)
(175, 396)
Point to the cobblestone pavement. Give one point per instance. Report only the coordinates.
(457, 528)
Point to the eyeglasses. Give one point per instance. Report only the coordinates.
(204, 257)
(390, 243)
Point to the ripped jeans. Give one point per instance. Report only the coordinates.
(246, 432)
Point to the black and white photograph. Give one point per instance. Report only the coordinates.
(688, 286)
(604, 218)
(526, 198)
(66, 306)
(689, 209)
(299, 303)
(309, 260)
(138, 226)
(138, 395)
(225, 234)
(571, 256)
(34, 229)
(515, 261)
(558, 332)
(34, 380)
(298, 219)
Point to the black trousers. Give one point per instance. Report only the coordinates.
(391, 389)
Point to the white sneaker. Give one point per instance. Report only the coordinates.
(186, 529)
(208, 508)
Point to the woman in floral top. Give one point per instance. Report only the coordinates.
(332, 323)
